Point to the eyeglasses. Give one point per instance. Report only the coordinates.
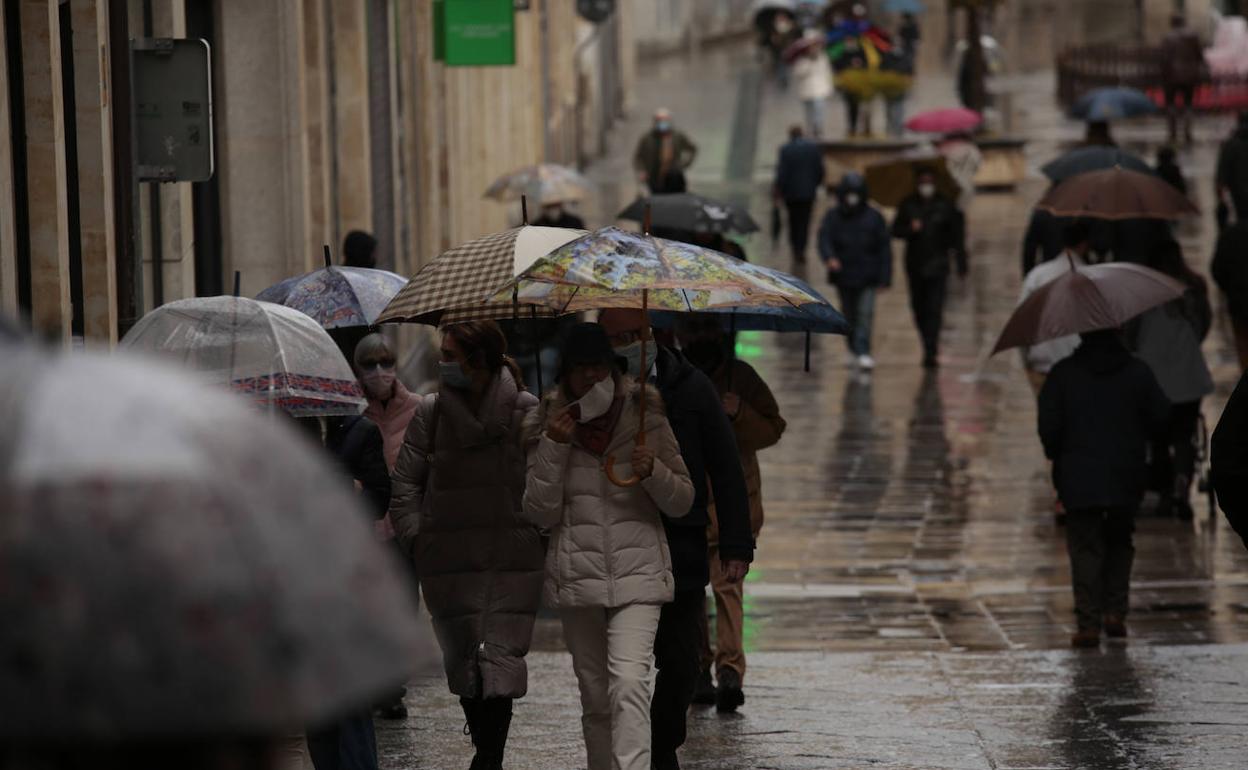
(366, 365)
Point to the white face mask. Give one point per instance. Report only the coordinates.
(597, 401)
(852, 199)
(927, 189)
(378, 382)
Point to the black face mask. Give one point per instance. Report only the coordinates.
(707, 355)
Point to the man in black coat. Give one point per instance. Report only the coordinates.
(1043, 240)
(1229, 460)
(1230, 273)
(799, 173)
(1232, 177)
(709, 449)
(932, 228)
(1099, 410)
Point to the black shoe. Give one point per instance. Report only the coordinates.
(704, 691)
(729, 696)
(1115, 627)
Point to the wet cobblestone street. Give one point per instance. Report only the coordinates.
(910, 603)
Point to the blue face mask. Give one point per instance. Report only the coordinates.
(662, 126)
(632, 353)
(453, 375)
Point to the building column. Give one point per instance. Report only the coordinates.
(349, 93)
(48, 217)
(93, 108)
(8, 218)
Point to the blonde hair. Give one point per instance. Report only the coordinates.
(373, 346)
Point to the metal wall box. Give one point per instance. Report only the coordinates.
(172, 103)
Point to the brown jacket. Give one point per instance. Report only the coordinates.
(758, 425)
(456, 514)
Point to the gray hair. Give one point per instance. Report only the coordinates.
(371, 347)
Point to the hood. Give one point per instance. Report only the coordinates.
(1102, 352)
(852, 182)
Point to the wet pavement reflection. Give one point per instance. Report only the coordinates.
(910, 604)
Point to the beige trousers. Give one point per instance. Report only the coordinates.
(613, 656)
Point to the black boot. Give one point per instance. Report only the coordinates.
(475, 728)
(489, 722)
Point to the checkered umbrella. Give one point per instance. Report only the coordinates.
(453, 287)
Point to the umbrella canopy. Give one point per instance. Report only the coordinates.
(1095, 158)
(904, 6)
(1116, 193)
(276, 356)
(337, 297)
(690, 212)
(453, 287)
(947, 121)
(1112, 104)
(1087, 299)
(814, 317)
(168, 562)
(892, 181)
(614, 268)
(544, 183)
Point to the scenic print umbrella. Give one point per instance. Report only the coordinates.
(947, 121)
(1116, 193)
(1113, 104)
(455, 285)
(337, 297)
(277, 357)
(813, 317)
(1094, 158)
(168, 563)
(1087, 299)
(544, 183)
(690, 212)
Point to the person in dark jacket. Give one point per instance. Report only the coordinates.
(1098, 411)
(932, 228)
(1230, 273)
(359, 249)
(1232, 175)
(799, 173)
(855, 246)
(663, 154)
(1043, 240)
(1182, 68)
(709, 449)
(1228, 460)
(554, 214)
(1168, 169)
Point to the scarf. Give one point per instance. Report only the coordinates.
(595, 436)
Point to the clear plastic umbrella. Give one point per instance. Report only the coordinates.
(276, 356)
(171, 566)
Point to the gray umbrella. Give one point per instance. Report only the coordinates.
(173, 564)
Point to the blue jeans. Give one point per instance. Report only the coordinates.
(858, 305)
(814, 116)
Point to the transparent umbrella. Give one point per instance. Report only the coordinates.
(171, 566)
(274, 355)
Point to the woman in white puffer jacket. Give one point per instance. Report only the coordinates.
(608, 569)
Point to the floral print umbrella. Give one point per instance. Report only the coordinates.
(275, 356)
(338, 297)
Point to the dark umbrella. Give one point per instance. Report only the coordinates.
(690, 212)
(1113, 104)
(1096, 158)
(892, 181)
(1087, 299)
(1116, 193)
(174, 564)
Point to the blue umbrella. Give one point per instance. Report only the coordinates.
(1095, 158)
(337, 297)
(1113, 104)
(904, 6)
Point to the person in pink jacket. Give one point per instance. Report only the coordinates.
(390, 405)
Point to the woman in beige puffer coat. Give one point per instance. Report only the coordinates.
(608, 569)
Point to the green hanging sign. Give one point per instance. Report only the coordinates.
(474, 33)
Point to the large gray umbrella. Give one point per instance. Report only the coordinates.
(174, 564)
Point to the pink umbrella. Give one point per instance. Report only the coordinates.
(948, 121)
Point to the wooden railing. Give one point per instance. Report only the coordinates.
(1081, 69)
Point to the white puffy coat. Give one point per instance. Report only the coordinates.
(607, 547)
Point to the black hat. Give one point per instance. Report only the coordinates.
(586, 343)
(358, 249)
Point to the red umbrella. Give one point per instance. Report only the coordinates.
(1116, 193)
(948, 121)
(1087, 299)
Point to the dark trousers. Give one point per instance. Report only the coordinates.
(489, 720)
(348, 744)
(677, 655)
(1174, 459)
(1101, 552)
(799, 226)
(851, 113)
(927, 304)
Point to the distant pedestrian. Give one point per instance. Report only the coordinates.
(799, 173)
(609, 568)
(704, 433)
(1182, 69)
(908, 33)
(1168, 339)
(1097, 134)
(1099, 409)
(458, 484)
(1230, 272)
(963, 159)
(1039, 359)
(662, 151)
(1232, 175)
(359, 249)
(757, 425)
(556, 214)
(932, 228)
(856, 248)
(813, 74)
(1043, 240)
(1168, 169)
